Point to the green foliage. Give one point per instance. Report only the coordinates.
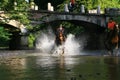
(117, 19)
(4, 36)
(20, 14)
(31, 40)
(77, 30)
(17, 12)
(9, 5)
(71, 28)
(61, 6)
(92, 4)
(54, 3)
(4, 5)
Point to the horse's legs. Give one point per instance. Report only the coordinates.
(116, 46)
(110, 52)
(116, 50)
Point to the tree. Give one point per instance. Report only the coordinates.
(4, 36)
(92, 4)
(15, 10)
(54, 3)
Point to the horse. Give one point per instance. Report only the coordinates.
(111, 41)
(60, 39)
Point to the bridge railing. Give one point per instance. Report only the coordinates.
(62, 13)
(107, 12)
(112, 11)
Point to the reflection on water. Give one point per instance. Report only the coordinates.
(113, 67)
(60, 68)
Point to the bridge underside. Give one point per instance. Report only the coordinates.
(90, 27)
(10, 28)
(14, 41)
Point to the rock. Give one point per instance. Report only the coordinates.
(80, 75)
(68, 70)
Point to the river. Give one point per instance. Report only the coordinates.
(33, 65)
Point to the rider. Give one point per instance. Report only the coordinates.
(111, 24)
(60, 29)
(110, 27)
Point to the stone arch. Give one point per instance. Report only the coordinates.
(98, 20)
(4, 19)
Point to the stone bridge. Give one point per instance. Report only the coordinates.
(15, 28)
(11, 23)
(39, 17)
(92, 23)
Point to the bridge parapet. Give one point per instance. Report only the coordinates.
(112, 11)
(99, 19)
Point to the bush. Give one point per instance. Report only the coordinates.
(4, 37)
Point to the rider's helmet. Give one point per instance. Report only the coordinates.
(111, 19)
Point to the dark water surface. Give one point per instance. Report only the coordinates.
(40, 67)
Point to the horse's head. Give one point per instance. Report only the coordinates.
(114, 32)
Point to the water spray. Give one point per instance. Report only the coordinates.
(46, 43)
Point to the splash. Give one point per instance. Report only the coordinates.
(72, 46)
(46, 43)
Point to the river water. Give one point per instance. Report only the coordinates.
(33, 65)
(44, 64)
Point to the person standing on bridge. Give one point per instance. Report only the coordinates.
(71, 5)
